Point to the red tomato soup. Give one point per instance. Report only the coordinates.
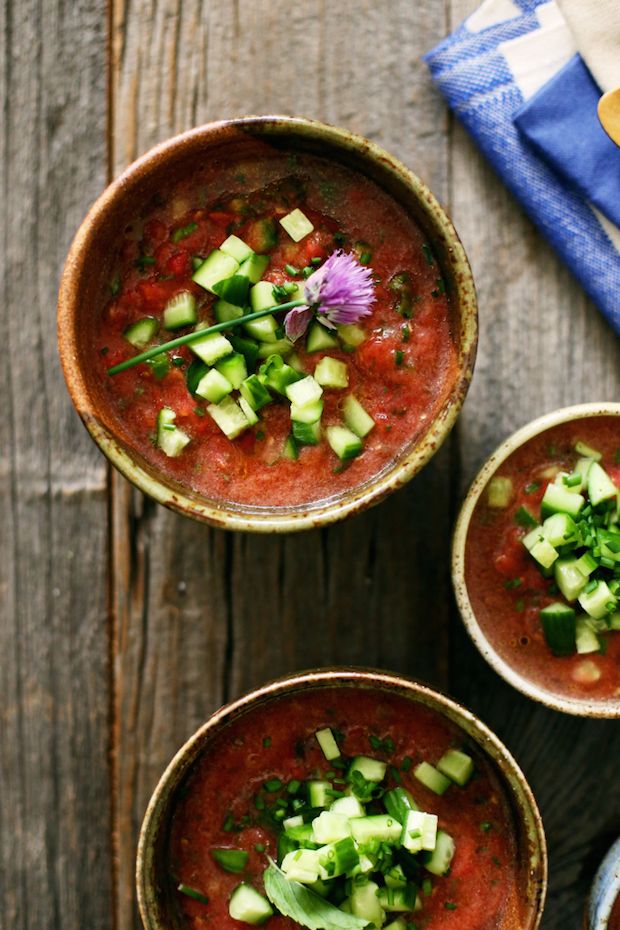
(401, 361)
(269, 753)
(614, 918)
(507, 587)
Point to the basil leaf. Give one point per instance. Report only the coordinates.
(302, 904)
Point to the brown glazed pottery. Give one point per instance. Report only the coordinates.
(86, 275)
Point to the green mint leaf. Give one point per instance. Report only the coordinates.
(302, 904)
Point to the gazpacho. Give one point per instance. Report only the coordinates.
(614, 918)
(542, 559)
(273, 412)
(344, 809)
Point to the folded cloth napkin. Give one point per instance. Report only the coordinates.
(495, 72)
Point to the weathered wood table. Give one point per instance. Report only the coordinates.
(124, 625)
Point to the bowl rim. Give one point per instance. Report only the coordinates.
(577, 707)
(605, 890)
(226, 514)
(525, 808)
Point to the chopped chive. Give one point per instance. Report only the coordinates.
(229, 823)
(266, 742)
(259, 847)
(307, 271)
(485, 826)
(199, 411)
(231, 860)
(513, 583)
(520, 605)
(428, 255)
(339, 238)
(450, 906)
(525, 519)
(193, 893)
(104, 350)
(274, 784)
(143, 261)
(441, 285)
(617, 456)
(293, 786)
(115, 285)
(427, 887)
(177, 360)
(260, 435)
(183, 232)
(259, 803)
(316, 260)
(399, 357)
(290, 269)
(197, 261)
(571, 481)
(405, 333)
(406, 764)
(365, 258)
(534, 486)
(592, 585)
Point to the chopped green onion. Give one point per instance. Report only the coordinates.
(183, 232)
(534, 486)
(231, 860)
(193, 893)
(274, 784)
(525, 519)
(290, 269)
(428, 255)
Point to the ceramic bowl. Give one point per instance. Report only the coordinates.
(153, 883)
(605, 890)
(87, 273)
(586, 707)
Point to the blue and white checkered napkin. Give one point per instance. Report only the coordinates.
(506, 72)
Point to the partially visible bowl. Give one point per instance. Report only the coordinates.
(156, 891)
(605, 892)
(484, 624)
(88, 270)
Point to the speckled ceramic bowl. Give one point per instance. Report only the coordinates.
(584, 707)
(87, 271)
(153, 884)
(605, 890)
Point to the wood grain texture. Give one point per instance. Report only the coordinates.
(543, 345)
(253, 608)
(55, 862)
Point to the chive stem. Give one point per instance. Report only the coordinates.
(198, 334)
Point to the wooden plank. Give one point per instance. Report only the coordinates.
(253, 608)
(55, 853)
(543, 345)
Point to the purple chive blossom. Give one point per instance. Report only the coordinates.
(340, 291)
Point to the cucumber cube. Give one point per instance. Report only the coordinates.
(583, 468)
(211, 348)
(307, 434)
(229, 417)
(378, 827)
(264, 330)
(237, 248)
(351, 334)
(261, 296)
(170, 439)
(587, 451)
(457, 766)
(310, 413)
(330, 826)
(248, 905)
(224, 311)
(233, 290)
(140, 333)
(280, 347)
(586, 638)
(559, 530)
(349, 806)
(544, 553)
(558, 623)
(344, 442)
(356, 418)
(302, 865)
(370, 769)
(331, 373)
(573, 488)
(499, 492)
(586, 564)
(180, 311)
(597, 603)
(290, 450)
(305, 391)
(254, 267)
(398, 924)
(600, 486)
(401, 900)
(560, 500)
(233, 368)
(395, 878)
(431, 778)
(216, 267)
(365, 903)
(318, 793)
(213, 386)
(255, 393)
(328, 744)
(248, 412)
(297, 225)
(320, 338)
(569, 579)
(419, 831)
(438, 862)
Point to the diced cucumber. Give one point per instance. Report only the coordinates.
(307, 434)
(614, 621)
(224, 311)
(296, 821)
(563, 476)
(351, 334)
(247, 347)
(263, 234)
(431, 778)
(598, 602)
(310, 413)
(600, 486)
(569, 579)
(213, 386)
(302, 865)
(248, 412)
(379, 827)
(370, 769)
(140, 333)
(229, 417)
(248, 905)
(349, 806)
(233, 368)
(290, 450)
(558, 623)
(583, 468)
(254, 267)
(330, 826)
(216, 267)
(586, 639)
(264, 329)
(356, 418)
(302, 836)
(558, 499)
(237, 248)
(305, 391)
(328, 744)
(398, 802)
(261, 296)
(499, 492)
(211, 348)
(559, 530)
(395, 877)
(438, 862)
(233, 290)
(419, 831)
(320, 338)
(277, 376)
(170, 438)
(280, 347)
(196, 370)
(457, 766)
(586, 564)
(399, 900)
(254, 392)
(318, 793)
(365, 903)
(539, 548)
(332, 373)
(344, 442)
(180, 311)
(297, 225)
(587, 451)
(398, 924)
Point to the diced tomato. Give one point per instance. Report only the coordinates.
(222, 217)
(155, 232)
(178, 264)
(156, 293)
(614, 473)
(511, 561)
